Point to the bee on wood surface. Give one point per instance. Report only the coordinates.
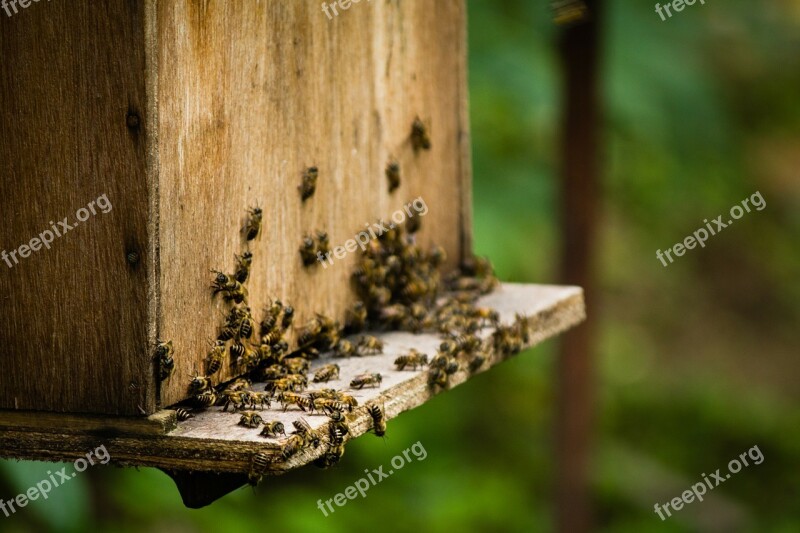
(362, 380)
(298, 381)
(393, 175)
(239, 384)
(308, 251)
(303, 429)
(487, 316)
(164, 360)
(215, 358)
(250, 419)
(258, 467)
(288, 316)
(438, 377)
(199, 384)
(369, 345)
(339, 421)
(419, 136)
(272, 338)
(252, 227)
(205, 399)
(310, 333)
(292, 445)
(272, 372)
(344, 348)
(232, 289)
(356, 317)
(378, 415)
(326, 373)
(278, 386)
(413, 359)
(309, 183)
(271, 314)
(273, 429)
(476, 363)
(243, 264)
(183, 414)
(297, 365)
(290, 398)
(233, 399)
(323, 244)
(256, 399)
(246, 327)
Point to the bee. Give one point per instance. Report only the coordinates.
(412, 359)
(254, 399)
(487, 316)
(310, 333)
(336, 450)
(272, 372)
(288, 316)
(183, 414)
(290, 398)
(246, 327)
(506, 341)
(326, 373)
(239, 384)
(344, 348)
(419, 136)
(273, 429)
(413, 225)
(308, 251)
(378, 415)
(309, 183)
(393, 175)
(438, 377)
(273, 337)
(303, 429)
(297, 365)
(233, 398)
(250, 419)
(233, 289)
(356, 317)
(292, 445)
(523, 327)
(362, 380)
(199, 384)
(298, 381)
(278, 386)
(476, 363)
(369, 345)
(271, 314)
(323, 244)
(205, 398)
(339, 421)
(258, 467)
(252, 227)
(330, 406)
(393, 314)
(215, 358)
(243, 264)
(166, 364)
(238, 351)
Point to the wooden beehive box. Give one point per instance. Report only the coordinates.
(184, 114)
(180, 115)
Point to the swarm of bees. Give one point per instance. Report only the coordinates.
(400, 287)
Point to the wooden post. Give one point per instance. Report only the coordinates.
(580, 150)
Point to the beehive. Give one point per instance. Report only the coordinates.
(181, 115)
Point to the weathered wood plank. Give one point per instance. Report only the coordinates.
(74, 316)
(212, 442)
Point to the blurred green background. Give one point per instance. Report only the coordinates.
(697, 362)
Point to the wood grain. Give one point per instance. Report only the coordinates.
(212, 441)
(252, 93)
(74, 317)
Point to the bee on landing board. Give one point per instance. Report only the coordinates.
(363, 380)
(326, 373)
(378, 415)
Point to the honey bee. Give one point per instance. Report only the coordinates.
(297, 365)
(362, 380)
(339, 421)
(292, 445)
(378, 415)
(356, 317)
(336, 449)
(438, 377)
(309, 183)
(308, 251)
(233, 398)
(278, 386)
(254, 399)
(272, 338)
(329, 406)
(487, 316)
(419, 136)
(164, 360)
(243, 264)
(412, 359)
(323, 244)
(303, 429)
(288, 316)
(476, 363)
(272, 372)
(393, 175)
(273, 429)
(258, 467)
(344, 348)
(183, 414)
(369, 345)
(199, 384)
(290, 398)
(506, 341)
(413, 225)
(215, 358)
(252, 227)
(298, 381)
(326, 373)
(246, 327)
(233, 289)
(250, 419)
(239, 384)
(238, 351)
(205, 398)
(311, 332)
